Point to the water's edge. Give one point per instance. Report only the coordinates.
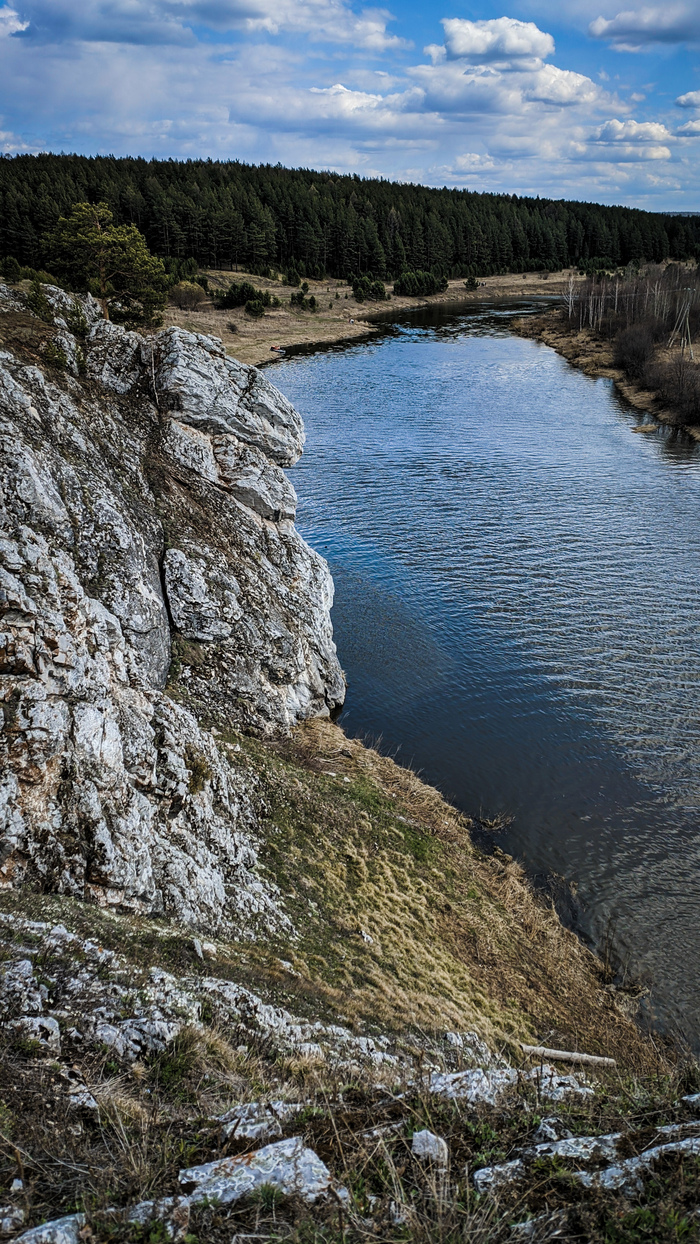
(422, 444)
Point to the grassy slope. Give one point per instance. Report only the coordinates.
(458, 941)
(359, 845)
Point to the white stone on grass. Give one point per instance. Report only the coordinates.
(492, 1178)
(551, 1129)
(426, 1145)
(11, 1219)
(287, 1165)
(39, 1028)
(581, 1148)
(59, 1231)
(258, 1120)
(627, 1175)
(475, 1085)
(553, 1086)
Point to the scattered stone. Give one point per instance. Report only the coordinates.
(258, 1120)
(11, 1219)
(173, 1212)
(582, 1148)
(287, 1165)
(427, 1146)
(628, 1175)
(553, 1086)
(550, 1226)
(474, 1085)
(80, 1098)
(39, 1028)
(491, 1178)
(60, 1231)
(551, 1129)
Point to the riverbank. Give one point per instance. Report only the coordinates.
(242, 927)
(593, 355)
(340, 317)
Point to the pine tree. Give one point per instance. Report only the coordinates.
(111, 261)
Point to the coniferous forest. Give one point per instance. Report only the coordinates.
(236, 216)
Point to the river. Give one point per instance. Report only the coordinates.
(516, 610)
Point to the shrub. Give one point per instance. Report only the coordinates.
(11, 270)
(472, 283)
(419, 284)
(55, 356)
(364, 288)
(187, 295)
(298, 300)
(76, 321)
(39, 303)
(678, 385)
(255, 308)
(633, 350)
(240, 293)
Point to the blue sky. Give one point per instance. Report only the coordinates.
(562, 98)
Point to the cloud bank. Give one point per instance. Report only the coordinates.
(492, 103)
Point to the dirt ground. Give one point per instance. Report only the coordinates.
(339, 316)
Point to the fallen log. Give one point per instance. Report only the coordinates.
(566, 1056)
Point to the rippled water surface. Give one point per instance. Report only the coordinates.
(517, 610)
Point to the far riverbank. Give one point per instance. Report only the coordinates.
(339, 318)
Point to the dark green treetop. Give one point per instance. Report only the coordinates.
(112, 261)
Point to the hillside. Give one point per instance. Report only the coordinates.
(222, 923)
(231, 215)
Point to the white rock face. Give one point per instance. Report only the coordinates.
(218, 394)
(129, 538)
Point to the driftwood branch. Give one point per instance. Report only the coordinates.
(567, 1056)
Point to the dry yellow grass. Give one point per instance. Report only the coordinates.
(363, 849)
(337, 319)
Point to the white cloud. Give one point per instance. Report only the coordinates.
(635, 29)
(690, 129)
(492, 115)
(171, 21)
(633, 131)
(630, 153)
(10, 22)
(502, 38)
(628, 142)
(330, 20)
(691, 99)
(550, 85)
(472, 162)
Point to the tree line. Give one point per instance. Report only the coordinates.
(263, 219)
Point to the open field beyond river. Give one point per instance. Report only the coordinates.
(339, 316)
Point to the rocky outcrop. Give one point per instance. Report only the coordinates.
(152, 584)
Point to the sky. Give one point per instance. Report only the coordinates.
(575, 99)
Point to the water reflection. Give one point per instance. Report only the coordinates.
(516, 605)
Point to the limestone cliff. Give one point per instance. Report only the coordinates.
(146, 542)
